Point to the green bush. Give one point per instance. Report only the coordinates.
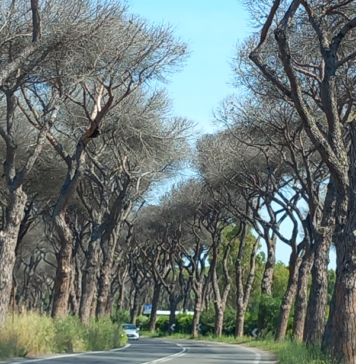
(142, 322)
(162, 323)
(184, 323)
(69, 335)
(121, 317)
(103, 334)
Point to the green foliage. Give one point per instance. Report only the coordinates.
(269, 307)
(69, 335)
(32, 334)
(331, 283)
(184, 323)
(162, 323)
(121, 317)
(103, 334)
(142, 321)
(280, 280)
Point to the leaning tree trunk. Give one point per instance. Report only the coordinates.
(8, 241)
(301, 301)
(288, 297)
(155, 301)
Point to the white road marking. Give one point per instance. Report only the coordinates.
(170, 357)
(60, 356)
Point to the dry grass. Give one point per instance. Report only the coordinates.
(31, 334)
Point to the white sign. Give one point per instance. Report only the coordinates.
(173, 326)
(199, 327)
(254, 333)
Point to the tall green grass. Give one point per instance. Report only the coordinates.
(31, 334)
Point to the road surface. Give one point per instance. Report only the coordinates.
(152, 351)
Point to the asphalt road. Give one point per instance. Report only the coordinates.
(152, 351)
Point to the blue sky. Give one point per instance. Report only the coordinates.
(212, 29)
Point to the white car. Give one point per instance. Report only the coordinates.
(131, 331)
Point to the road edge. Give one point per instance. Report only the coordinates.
(258, 352)
(60, 356)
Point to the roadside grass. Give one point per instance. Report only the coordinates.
(31, 334)
(286, 351)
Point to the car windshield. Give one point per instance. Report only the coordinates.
(129, 327)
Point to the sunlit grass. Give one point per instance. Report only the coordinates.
(31, 334)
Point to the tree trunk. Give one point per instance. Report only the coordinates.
(155, 301)
(93, 303)
(8, 241)
(243, 293)
(301, 301)
(340, 332)
(104, 287)
(318, 297)
(219, 319)
(135, 306)
(288, 297)
(74, 304)
(78, 283)
(89, 283)
(121, 298)
(109, 305)
(196, 320)
(267, 280)
(64, 267)
(173, 303)
(198, 308)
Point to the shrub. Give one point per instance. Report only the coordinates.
(69, 335)
(162, 323)
(184, 323)
(120, 317)
(142, 322)
(32, 334)
(103, 334)
(29, 334)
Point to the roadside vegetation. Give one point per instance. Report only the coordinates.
(287, 351)
(30, 334)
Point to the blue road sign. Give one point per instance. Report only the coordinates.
(148, 308)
